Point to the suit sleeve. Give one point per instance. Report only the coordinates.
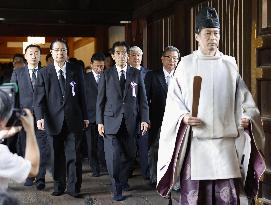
(39, 96)
(101, 98)
(82, 94)
(143, 103)
(148, 82)
(14, 79)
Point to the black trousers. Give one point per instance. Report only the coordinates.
(142, 143)
(120, 153)
(66, 158)
(95, 146)
(43, 147)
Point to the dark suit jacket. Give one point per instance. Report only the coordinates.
(91, 88)
(50, 105)
(26, 91)
(143, 71)
(156, 90)
(112, 106)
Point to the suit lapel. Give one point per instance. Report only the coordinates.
(69, 79)
(53, 78)
(115, 77)
(27, 76)
(129, 75)
(93, 81)
(162, 80)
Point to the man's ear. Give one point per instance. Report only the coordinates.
(112, 56)
(197, 37)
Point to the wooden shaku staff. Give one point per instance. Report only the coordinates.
(196, 95)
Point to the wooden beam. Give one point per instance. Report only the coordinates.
(13, 39)
(47, 30)
(11, 51)
(82, 42)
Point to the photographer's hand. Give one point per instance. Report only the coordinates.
(27, 121)
(40, 124)
(9, 131)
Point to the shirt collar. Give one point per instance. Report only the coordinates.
(95, 74)
(139, 67)
(31, 68)
(58, 68)
(199, 52)
(119, 68)
(168, 74)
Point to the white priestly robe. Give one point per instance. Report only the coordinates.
(215, 145)
(213, 153)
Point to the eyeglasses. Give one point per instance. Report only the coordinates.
(172, 58)
(62, 50)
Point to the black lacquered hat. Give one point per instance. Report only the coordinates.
(207, 18)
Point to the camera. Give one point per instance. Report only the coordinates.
(12, 89)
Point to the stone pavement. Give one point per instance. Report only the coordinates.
(95, 191)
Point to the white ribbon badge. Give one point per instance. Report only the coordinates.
(133, 85)
(73, 85)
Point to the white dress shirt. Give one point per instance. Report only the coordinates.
(168, 75)
(30, 71)
(96, 76)
(119, 69)
(58, 69)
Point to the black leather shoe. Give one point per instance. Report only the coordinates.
(57, 193)
(73, 194)
(29, 181)
(125, 187)
(95, 174)
(40, 185)
(118, 197)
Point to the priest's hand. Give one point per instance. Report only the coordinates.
(101, 129)
(193, 121)
(244, 122)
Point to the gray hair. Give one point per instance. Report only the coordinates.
(171, 49)
(135, 49)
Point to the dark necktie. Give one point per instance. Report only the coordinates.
(62, 82)
(33, 77)
(122, 82)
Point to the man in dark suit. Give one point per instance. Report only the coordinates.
(60, 109)
(156, 83)
(25, 78)
(94, 141)
(135, 59)
(121, 100)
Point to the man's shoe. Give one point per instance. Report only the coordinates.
(29, 181)
(73, 194)
(118, 197)
(125, 187)
(57, 193)
(40, 184)
(152, 184)
(95, 174)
